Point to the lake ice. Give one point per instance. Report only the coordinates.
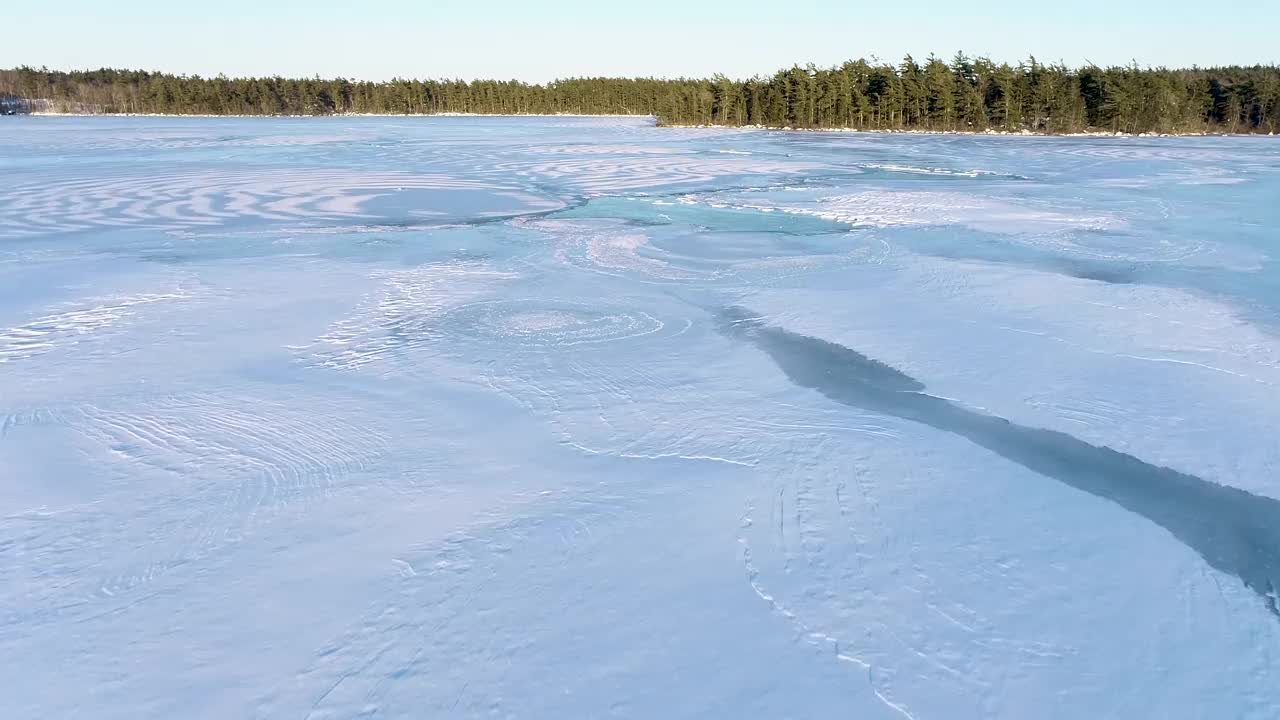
(584, 418)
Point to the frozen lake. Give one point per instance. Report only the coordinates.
(583, 418)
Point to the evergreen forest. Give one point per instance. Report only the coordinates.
(970, 94)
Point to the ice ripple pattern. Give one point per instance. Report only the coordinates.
(224, 465)
(180, 200)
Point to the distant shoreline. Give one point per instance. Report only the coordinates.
(867, 131)
(333, 115)
(1015, 133)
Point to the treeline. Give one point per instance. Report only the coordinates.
(965, 94)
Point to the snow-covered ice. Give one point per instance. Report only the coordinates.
(584, 418)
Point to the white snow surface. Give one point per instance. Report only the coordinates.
(583, 418)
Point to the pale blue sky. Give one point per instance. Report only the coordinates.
(537, 41)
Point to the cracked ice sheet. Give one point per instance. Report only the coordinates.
(904, 514)
(855, 525)
(1180, 377)
(861, 548)
(274, 462)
